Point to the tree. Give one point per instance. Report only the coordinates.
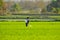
(54, 5)
(16, 7)
(1, 6)
(1, 3)
(54, 0)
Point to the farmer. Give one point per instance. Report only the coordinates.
(27, 21)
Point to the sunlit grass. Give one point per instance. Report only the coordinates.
(37, 31)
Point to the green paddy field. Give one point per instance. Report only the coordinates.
(35, 31)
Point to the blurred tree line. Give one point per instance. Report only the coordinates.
(1, 7)
(54, 6)
(1, 2)
(17, 7)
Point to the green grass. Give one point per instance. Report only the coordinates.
(37, 31)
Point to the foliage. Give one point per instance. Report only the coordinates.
(1, 3)
(17, 7)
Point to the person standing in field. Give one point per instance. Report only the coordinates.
(27, 21)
